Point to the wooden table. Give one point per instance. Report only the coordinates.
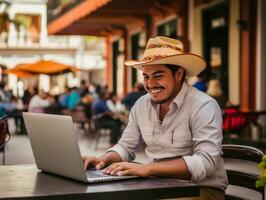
(27, 182)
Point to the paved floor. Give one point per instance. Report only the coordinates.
(18, 150)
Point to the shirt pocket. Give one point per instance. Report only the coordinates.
(147, 134)
(179, 139)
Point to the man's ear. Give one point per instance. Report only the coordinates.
(180, 73)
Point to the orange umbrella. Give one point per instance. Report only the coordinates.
(22, 74)
(47, 67)
(19, 72)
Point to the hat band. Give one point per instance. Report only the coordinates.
(152, 46)
(154, 57)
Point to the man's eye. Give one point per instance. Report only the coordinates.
(158, 76)
(146, 78)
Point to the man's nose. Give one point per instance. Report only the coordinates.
(151, 83)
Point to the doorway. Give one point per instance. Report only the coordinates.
(215, 42)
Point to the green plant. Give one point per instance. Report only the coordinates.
(262, 181)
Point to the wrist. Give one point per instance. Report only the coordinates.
(105, 159)
(110, 157)
(147, 170)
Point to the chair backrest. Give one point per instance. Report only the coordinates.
(4, 132)
(241, 163)
(242, 152)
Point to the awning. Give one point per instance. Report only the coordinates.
(41, 67)
(78, 12)
(48, 67)
(112, 17)
(19, 72)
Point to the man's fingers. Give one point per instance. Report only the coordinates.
(125, 172)
(114, 168)
(117, 169)
(110, 168)
(100, 165)
(86, 163)
(92, 162)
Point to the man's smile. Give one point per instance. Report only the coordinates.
(155, 90)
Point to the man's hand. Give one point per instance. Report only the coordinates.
(171, 168)
(91, 161)
(126, 168)
(101, 162)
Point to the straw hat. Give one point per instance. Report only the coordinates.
(163, 50)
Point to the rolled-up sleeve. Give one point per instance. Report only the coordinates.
(206, 128)
(130, 140)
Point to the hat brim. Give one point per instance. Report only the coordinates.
(192, 63)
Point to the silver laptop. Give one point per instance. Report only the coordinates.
(55, 148)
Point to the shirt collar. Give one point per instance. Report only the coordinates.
(179, 99)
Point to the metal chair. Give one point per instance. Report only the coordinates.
(4, 136)
(241, 163)
(79, 116)
(98, 131)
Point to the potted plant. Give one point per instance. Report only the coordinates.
(262, 181)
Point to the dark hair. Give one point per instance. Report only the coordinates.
(112, 94)
(174, 69)
(83, 82)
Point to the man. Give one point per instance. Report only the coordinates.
(201, 83)
(180, 127)
(104, 117)
(39, 102)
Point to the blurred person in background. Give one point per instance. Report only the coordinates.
(5, 93)
(86, 103)
(92, 90)
(8, 107)
(73, 99)
(39, 102)
(54, 106)
(83, 89)
(2, 93)
(115, 105)
(201, 83)
(3, 99)
(216, 92)
(130, 99)
(13, 109)
(64, 98)
(105, 118)
(28, 94)
(8, 102)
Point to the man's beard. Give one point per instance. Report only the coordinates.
(171, 97)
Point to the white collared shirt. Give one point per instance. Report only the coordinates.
(192, 129)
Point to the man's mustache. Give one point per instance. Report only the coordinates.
(154, 88)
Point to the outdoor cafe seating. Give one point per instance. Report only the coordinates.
(241, 163)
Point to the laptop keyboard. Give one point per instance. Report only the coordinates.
(96, 174)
